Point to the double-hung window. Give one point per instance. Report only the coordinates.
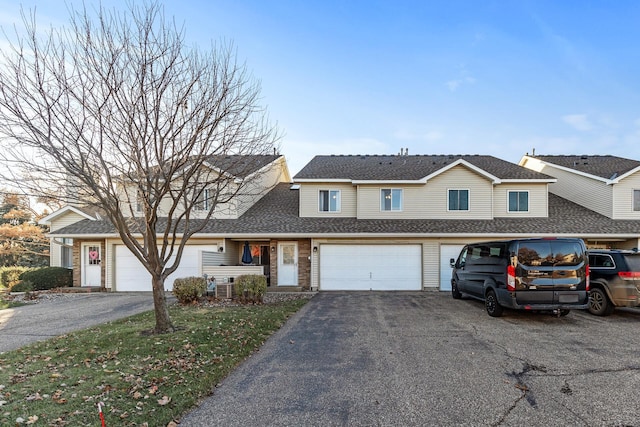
(329, 201)
(636, 200)
(518, 201)
(391, 199)
(458, 200)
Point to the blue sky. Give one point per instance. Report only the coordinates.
(437, 77)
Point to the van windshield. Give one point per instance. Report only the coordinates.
(550, 253)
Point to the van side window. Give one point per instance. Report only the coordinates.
(602, 261)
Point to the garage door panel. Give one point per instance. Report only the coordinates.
(131, 276)
(371, 267)
(446, 253)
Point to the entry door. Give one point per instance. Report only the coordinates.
(91, 261)
(287, 264)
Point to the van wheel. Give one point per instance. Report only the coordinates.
(599, 303)
(564, 312)
(491, 304)
(455, 293)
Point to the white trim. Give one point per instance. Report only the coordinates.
(47, 219)
(607, 181)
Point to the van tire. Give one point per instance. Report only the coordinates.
(494, 309)
(455, 293)
(599, 303)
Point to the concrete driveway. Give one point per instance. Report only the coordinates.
(35, 322)
(405, 359)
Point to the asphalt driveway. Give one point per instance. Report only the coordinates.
(399, 359)
(36, 322)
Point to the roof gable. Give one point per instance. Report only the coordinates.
(610, 169)
(66, 210)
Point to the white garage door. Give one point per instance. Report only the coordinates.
(130, 275)
(446, 253)
(371, 267)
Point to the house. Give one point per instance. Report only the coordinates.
(366, 222)
(608, 185)
(87, 241)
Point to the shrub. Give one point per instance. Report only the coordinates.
(49, 278)
(250, 287)
(24, 286)
(189, 289)
(10, 276)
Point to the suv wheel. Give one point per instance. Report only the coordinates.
(455, 293)
(599, 303)
(491, 304)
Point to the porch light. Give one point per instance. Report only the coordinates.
(315, 249)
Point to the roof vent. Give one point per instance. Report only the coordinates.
(294, 187)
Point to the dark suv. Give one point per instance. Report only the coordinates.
(526, 274)
(615, 280)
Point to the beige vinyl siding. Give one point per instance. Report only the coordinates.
(55, 254)
(309, 195)
(623, 197)
(64, 220)
(430, 200)
(538, 200)
(430, 264)
(590, 193)
(253, 190)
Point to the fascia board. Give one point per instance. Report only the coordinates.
(47, 219)
(463, 162)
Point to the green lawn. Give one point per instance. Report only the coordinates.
(151, 379)
(9, 304)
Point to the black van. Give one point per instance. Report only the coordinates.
(527, 274)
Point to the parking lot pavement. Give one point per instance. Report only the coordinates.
(398, 359)
(67, 312)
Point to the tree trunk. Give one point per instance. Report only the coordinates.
(163, 321)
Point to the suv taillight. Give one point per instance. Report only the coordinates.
(588, 281)
(629, 275)
(511, 278)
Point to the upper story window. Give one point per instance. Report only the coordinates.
(329, 201)
(518, 201)
(139, 201)
(391, 199)
(636, 200)
(458, 200)
(203, 203)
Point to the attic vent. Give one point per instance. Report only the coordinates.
(295, 187)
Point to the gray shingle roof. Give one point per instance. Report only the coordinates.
(400, 167)
(608, 167)
(277, 214)
(241, 166)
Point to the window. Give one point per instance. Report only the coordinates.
(518, 201)
(391, 199)
(203, 202)
(66, 253)
(139, 200)
(458, 200)
(636, 200)
(329, 201)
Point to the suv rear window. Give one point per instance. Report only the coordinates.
(633, 261)
(550, 253)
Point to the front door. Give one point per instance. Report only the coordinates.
(91, 264)
(287, 264)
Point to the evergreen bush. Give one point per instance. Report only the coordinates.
(49, 278)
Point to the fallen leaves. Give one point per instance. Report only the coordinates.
(164, 401)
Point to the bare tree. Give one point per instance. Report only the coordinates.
(118, 111)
